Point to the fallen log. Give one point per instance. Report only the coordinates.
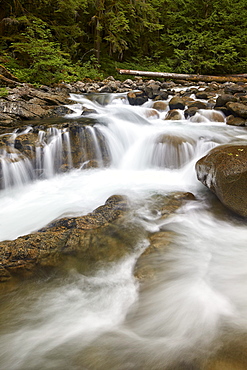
(184, 76)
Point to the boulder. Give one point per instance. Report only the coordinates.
(223, 99)
(201, 95)
(176, 103)
(160, 105)
(162, 95)
(172, 151)
(236, 121)
(24, 110)
(160, 241)
(173, 115)
(93, 238)
(105, 235)
(150, 112)
(152, 89)
(189, 112)
(235, 88)
(197, 104)
(238, 109)
(224, 171)
(137, 97)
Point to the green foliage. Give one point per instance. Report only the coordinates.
(48, 41)
(42, 58)
(3, 92)
(206, 36)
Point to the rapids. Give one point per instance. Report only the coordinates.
(192, 315)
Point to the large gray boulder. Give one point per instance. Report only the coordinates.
(224, 171)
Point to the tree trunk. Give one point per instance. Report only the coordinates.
(187, 77)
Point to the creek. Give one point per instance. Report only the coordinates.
(191, 315)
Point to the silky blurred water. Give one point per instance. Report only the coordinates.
(192, 310)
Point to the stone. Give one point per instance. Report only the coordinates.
(151, 113)
(243, 99)
(217, 116)
(235, 88)
(189, 112)
(201, 95)
(237, 109)
(160, 241)
(105, 89)
(137, 97)
(152, 89)
(172, 151)
(224, 171)
(176, 103)
(223, 99)
(162, 95)
(223, 110)
(197, 104)
(24, 110)
(105, 235)
(236, 121)
(174, 115)
(160, 105)
(93, 237)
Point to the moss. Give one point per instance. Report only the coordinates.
(3, 92)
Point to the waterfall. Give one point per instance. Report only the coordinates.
(14, 170)
(114, 140)
(94, 145)
(189, 311)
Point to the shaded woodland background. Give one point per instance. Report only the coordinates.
(48, 41)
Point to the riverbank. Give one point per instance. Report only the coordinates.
(44, 148)
(23, 103)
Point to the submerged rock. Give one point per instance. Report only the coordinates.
(146, 266)
(172, 151)
(160, 106)
(174, 115)
(224, 171)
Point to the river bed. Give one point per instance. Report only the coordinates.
(191, 315)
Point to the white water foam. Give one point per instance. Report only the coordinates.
(198, 296)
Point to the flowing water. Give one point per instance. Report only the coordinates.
(191, 315)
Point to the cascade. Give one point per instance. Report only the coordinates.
(193, 306)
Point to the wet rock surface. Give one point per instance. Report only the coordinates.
(146, 266)
(105, 235)
(94, 237)
(224, 171)
(24, 102)
(226, 176)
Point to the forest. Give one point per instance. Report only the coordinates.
(49, 41)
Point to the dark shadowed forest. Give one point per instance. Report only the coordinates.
(47, 41)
